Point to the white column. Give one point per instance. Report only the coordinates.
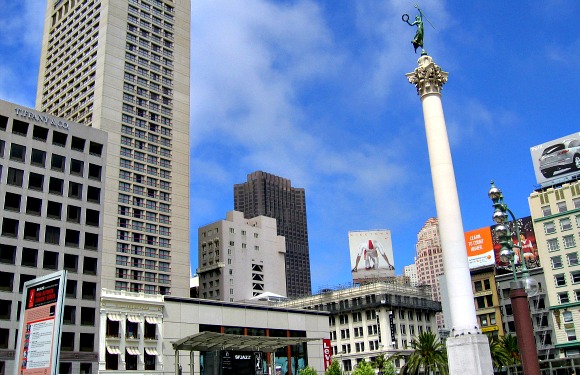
(468, 351)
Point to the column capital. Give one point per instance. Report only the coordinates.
(428, 77)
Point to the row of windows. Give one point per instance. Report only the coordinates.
(572, 259)
(565, 225)
(50, 234)
(29, 257)
(561, 207)
(142, 288)
(143, 215)
(60, 139)
(553, 244)
(560, 278)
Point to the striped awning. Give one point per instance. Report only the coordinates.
(133, 350)
(114, 317)
(113, 349)
(153, 319)
(134, 318)
(151, 351)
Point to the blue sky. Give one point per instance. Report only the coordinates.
(315, 91)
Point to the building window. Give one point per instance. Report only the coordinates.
(556, 262)
(567, 315)
(571, 333)
(572, 259)
(549, 227)
(553, 244)
(569, 241)
(565, 224)
(546, 210)
(563, 297)
(575, 277)
(560, 279)
(562, 206)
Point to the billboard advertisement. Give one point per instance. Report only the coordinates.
(41, 320)
(479, 248)
(557, 161)
(525, 247)
(371, 255)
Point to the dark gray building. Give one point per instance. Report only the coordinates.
(269, 195)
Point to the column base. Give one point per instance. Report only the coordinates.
(469, 354)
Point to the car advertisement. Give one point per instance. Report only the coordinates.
(525, 247)
(371, 255)
(479, 248)
(39, 334)
(557, 161)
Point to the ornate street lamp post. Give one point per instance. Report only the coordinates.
(519, 288)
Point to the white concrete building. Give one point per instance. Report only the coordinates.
(138, 331)
(240, 258)
(373, 319)
(410, 271)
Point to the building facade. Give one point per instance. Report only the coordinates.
(429, 260)
(410, 271)
(123, 67)
(240, 258)
(542, 322)
(373, 319)
(556, 218)
(487, 301)
(273, 196)
(52, 182)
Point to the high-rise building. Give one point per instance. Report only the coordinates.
(123, 67)
(240, 259)
(429, 260)
(556, 219)
(269, 195)
(410, 271)
(51, 192)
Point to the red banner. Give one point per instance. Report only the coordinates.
(327, 353)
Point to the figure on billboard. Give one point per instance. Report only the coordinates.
(369, 251)
(528, 251)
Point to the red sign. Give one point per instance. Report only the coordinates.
(327, 353)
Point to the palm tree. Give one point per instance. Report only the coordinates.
(499, 356)
(384, 365)
(510, 345)
(429, 356)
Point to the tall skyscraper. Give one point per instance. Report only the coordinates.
(429, 260)
(410, 271)
(123, 67)
(269, 195)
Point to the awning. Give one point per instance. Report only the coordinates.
(113, 349)
(210, 341)
(151, 351)
(153, 320)
(134, 318)
(132, 350)
(114, 317)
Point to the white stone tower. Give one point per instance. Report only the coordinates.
(467, 348)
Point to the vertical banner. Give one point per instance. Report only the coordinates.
(327, 353)
(40, 325)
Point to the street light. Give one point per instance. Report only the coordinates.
(519, 288)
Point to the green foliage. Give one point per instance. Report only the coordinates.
(363, 368)
(308, 371)
(384, 366)
(510, 345)
(499, 356)
(429, 355)
(334, 368)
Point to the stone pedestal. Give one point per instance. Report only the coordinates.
(465, 341)
(469, 354)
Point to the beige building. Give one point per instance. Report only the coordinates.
(556, 217)
(429, 260)
(373, 319)
(487, 301)
(123, 67)
(240, 259)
